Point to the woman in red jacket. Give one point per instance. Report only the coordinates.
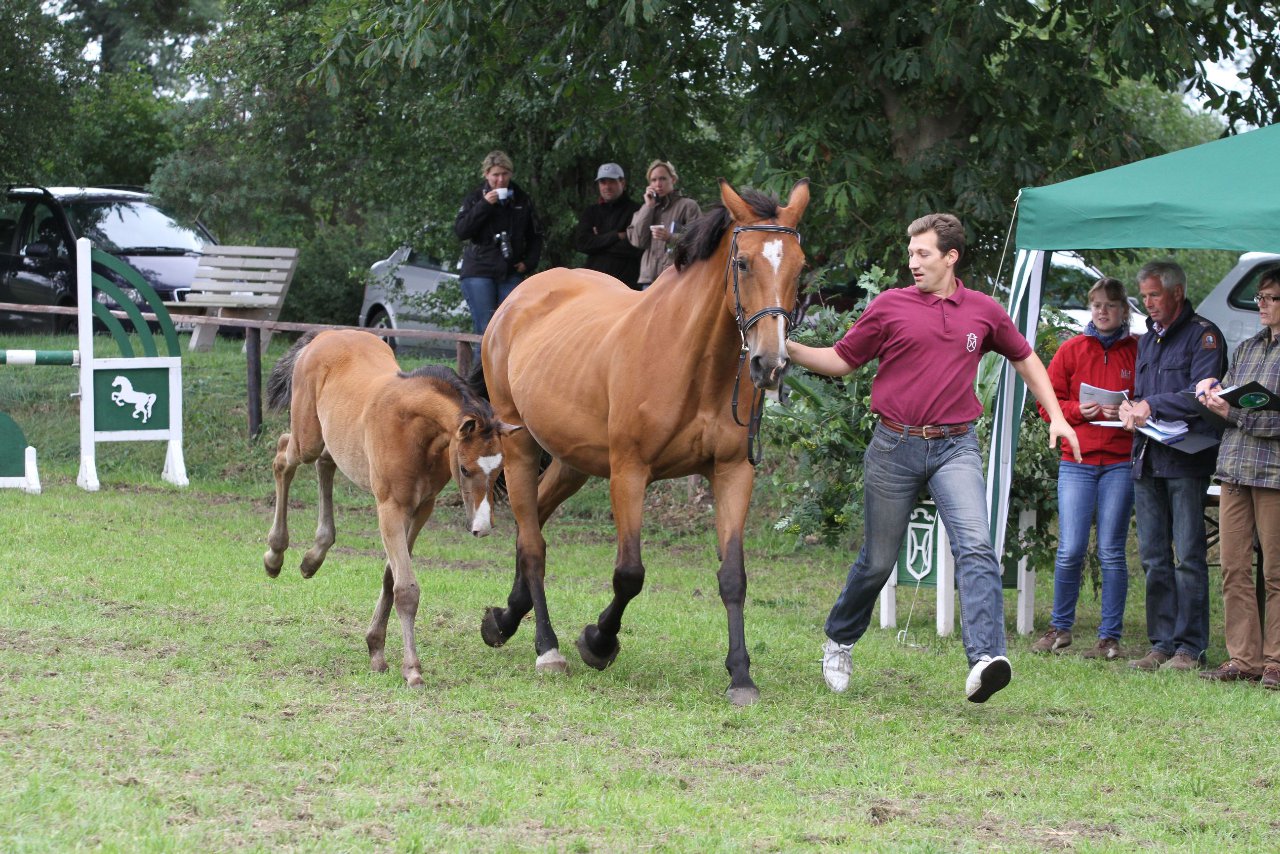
(1103, 356)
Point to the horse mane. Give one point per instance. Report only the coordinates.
(701, 239)
(451, 385)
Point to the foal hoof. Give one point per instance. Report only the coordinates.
(309, 568)
(272, 561)
(747, 696)
(591, 634)
(551, 661)
(489, 629)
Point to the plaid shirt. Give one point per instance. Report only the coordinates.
(1250, 452)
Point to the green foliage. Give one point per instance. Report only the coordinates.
(823, 432)
(40, 68)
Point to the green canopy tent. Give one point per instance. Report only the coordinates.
(1220, 195)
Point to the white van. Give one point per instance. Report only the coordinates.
(1230, 305)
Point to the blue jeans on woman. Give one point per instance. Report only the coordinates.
(484, 295)
(1085, 491)
(896, 468)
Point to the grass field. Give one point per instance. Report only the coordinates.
(159, 693)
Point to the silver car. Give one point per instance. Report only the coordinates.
(1230, 305)
(401, 293)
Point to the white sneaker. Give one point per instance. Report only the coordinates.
(988, 676)
(837, 664)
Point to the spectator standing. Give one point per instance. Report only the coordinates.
(1099, 487)
(503, 239)
(657, 224)
(937, 329)
(1249, 470)
(1180, 349)
(602, 229)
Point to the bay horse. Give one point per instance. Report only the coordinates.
(643, 386)
(398, 435)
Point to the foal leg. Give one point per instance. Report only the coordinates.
(598, 643)
(376, 637)
(394, 525)
(732, 488)
(283, 467)
(325, 534)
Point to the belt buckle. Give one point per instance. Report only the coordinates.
(933, 431)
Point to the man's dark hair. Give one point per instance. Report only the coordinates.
(948, 229)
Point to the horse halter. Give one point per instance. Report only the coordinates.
(744, 325)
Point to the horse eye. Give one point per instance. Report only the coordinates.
(466, 472)
(742, 263)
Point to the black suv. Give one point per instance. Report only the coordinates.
(38, 230)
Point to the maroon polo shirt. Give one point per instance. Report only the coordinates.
(929, 349)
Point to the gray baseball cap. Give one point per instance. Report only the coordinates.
(610, 170)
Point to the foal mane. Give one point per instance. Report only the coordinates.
(701, 239)
(448, 383)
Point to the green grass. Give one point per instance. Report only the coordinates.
(159, 693)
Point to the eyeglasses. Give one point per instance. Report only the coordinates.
(1266, 299)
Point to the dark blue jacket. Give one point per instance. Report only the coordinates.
(1191, 349)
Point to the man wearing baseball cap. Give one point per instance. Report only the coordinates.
(601, 233)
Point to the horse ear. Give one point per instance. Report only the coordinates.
(796, 203)
(467, 426)
(734, 204)
(506, 429)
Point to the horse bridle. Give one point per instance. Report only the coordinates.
(744, 325)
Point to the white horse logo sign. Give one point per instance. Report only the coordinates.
(125, 395)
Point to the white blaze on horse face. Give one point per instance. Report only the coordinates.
(772, 253)
(489, 464)
(482, 522)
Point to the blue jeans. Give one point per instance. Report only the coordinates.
(896, 468)
(1171, 519)
(484, 295)
(1083, 490)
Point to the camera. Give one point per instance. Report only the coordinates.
(503, 239)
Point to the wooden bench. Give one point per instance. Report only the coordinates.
(237, 281)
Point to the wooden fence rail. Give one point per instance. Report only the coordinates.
(253, 329)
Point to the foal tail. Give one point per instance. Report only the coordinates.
(280, 383)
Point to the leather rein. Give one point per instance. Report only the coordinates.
(744, 325)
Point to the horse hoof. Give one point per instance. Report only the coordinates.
(589, 658)
(308, 568)
(551, 661)
(378, 664)
(489, 629)
(272, 561)
(747, 696)
(414, 679)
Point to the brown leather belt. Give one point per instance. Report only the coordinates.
(929, 431)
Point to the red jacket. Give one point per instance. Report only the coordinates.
(1083, 360)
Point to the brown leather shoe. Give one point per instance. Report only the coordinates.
(1229, 671)
(1149, 662)
(1054, 640)
(1181, 661)
(1271, 677)
(1108, 649)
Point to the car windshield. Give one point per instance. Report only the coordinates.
(121, 226)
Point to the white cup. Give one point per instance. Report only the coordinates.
(504, 193)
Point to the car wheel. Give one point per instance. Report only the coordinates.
(379, 319)
(66, 324)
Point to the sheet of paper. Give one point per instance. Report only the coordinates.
(1101, 396)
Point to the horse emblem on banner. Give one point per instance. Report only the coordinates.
(125, 395)
(920, 544)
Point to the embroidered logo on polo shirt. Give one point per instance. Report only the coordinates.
(971, 342)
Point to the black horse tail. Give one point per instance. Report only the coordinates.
(280, 383)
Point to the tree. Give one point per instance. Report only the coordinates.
(154, 35)
(894, 107)
(39, 69)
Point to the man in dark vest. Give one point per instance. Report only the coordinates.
(602, 230)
